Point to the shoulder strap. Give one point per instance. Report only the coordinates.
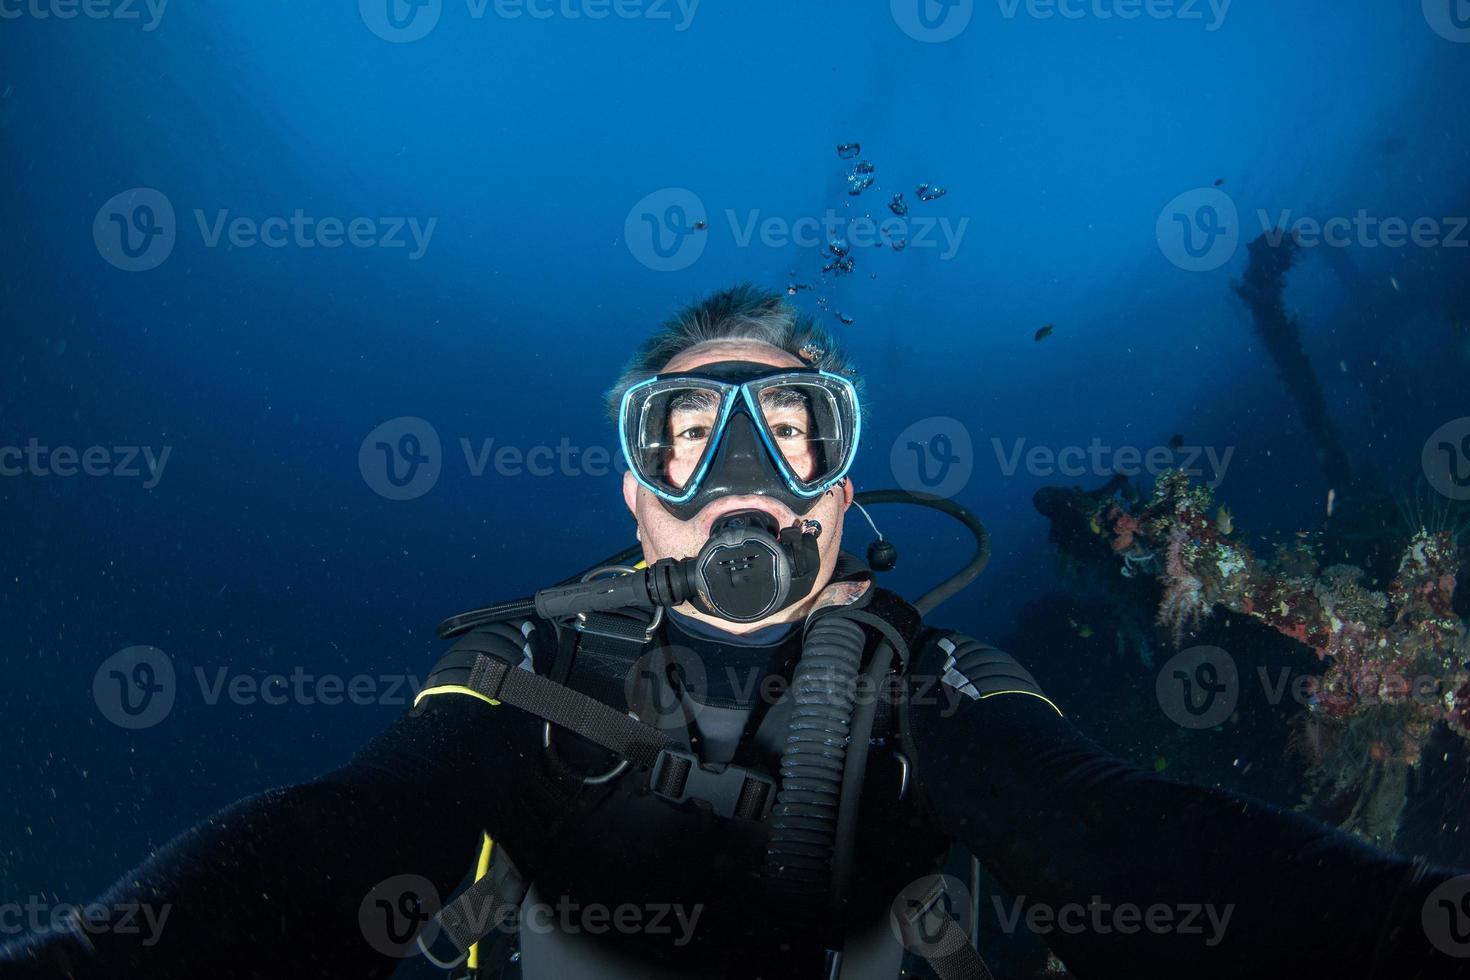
(486, 675)
(487, 664)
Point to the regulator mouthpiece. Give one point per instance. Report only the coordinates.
(750, 568)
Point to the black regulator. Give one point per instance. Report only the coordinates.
(749, 569)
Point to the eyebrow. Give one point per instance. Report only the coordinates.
(784, 398)
(697, 400)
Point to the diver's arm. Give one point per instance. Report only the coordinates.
(1074, 831)
(271, 886)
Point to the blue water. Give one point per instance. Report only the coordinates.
(261, 547)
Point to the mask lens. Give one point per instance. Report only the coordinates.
(669, 428)
(811, 422)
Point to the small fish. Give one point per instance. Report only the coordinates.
(1393, 282)
(1331, 500)
(1224, 521)
(844, 319)
(1220, 182)
(1044, 332)
(1176, 441)
(701, 225)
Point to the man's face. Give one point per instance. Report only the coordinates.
(665, 536)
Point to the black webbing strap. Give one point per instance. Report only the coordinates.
(479, 910)
(586, 716)
(952, 957)
(929, 931)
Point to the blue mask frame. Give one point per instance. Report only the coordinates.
(738, 385)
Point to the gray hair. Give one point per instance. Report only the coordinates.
(743, 312)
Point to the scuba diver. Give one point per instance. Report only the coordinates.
(740, 756)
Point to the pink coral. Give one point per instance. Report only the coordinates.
(1125, 527)
(1184, 606)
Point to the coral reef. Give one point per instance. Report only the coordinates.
(1394, 661)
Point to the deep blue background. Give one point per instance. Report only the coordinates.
(263, 548)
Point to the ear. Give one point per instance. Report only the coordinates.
(847, 493)
(630, 493)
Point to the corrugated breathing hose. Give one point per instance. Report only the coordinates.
(803, 822)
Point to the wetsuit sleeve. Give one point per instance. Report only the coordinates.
(271, 886)
(1085, 838)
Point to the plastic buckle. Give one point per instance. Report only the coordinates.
(721, 787)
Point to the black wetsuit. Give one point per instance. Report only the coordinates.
(272, 885)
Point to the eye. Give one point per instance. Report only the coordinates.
(787, 430)
(693, 433)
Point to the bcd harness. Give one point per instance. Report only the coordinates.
(810, 814)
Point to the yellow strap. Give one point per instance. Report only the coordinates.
(482, 868)
(429, 692)
(1033, 694)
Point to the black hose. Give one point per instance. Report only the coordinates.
(959, 580)
(517, 608)
(803, 823)
(855, 772)
(521, 608)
